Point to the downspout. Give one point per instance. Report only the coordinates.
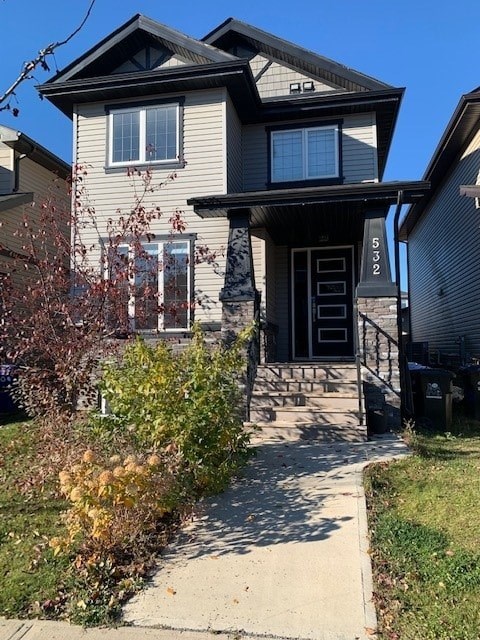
(401, 355)
(16, 167)
(16, 171)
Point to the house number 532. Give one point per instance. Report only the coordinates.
(376, 256)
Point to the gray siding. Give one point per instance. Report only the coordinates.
(359, 152)
(204, 174)
(234, 149)
(444, 263)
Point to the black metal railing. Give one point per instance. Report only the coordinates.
(378, 357)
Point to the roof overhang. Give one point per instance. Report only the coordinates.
(22, 144)
(12, 200)
(383, 193)
(230, 31)
(311, 214)
(235, 75)
(128, 39)
(458, 133)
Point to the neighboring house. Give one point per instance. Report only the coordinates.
(30, 175)
(279, 155)
(442, 232)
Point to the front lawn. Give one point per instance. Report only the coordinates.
(30, 576)
(424, 518)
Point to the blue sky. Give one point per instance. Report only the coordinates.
(430, 47)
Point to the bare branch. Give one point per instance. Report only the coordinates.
(39, 61)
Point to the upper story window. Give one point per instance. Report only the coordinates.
(305, 154)
(144, 135)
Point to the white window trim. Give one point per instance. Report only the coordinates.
(305, 132)
(161, 291)
(142, 135)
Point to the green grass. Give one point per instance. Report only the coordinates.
(424, 516)
(31, 578)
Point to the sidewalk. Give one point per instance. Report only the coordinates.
(282, 554)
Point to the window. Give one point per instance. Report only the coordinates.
(144, 135)
(304, 154)
(157, 291)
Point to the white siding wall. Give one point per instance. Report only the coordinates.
(444, 263)
(359, 159)
(277, 79)
(6, 169)
(203, 147)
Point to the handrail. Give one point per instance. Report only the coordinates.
(356, 342)
(391, 342)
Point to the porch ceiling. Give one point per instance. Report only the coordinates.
(312, 214)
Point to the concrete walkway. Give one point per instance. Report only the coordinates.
(282, 554)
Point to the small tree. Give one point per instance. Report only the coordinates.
(65, 303)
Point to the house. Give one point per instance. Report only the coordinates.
(30, 175)
(442, 232)
(279, 155)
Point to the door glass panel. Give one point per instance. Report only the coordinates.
(326, 311)
(146, 288)
(335, 265)
(301, 304)
(332, 335)
(331, 288)
(175, 285)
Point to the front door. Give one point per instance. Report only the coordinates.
(322, 301)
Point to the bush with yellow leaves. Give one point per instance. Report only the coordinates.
(116, 501)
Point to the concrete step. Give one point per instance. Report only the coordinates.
(294, 415)
(307, 386)
(310, 431)
(325, 401)
(336, 372)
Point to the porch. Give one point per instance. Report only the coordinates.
(312, 266)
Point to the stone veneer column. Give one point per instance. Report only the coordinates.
(377, 318)
(239, 297)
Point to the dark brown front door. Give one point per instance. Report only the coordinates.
(322, 303)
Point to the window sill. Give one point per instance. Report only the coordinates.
(296, 184)
(145, 165)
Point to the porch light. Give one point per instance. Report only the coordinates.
(308, 86)
(295, 87)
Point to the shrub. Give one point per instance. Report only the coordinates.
(115, 502)
(191, 401)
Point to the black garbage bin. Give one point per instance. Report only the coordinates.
(375, 409)
(415, 370)
(436, 397)
(471, 381)
(7, 376)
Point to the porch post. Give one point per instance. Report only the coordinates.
(239, 297)
(377, 320)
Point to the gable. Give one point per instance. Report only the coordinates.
(140, 42)
(151, 58)
(244, 40)
(273, 79)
